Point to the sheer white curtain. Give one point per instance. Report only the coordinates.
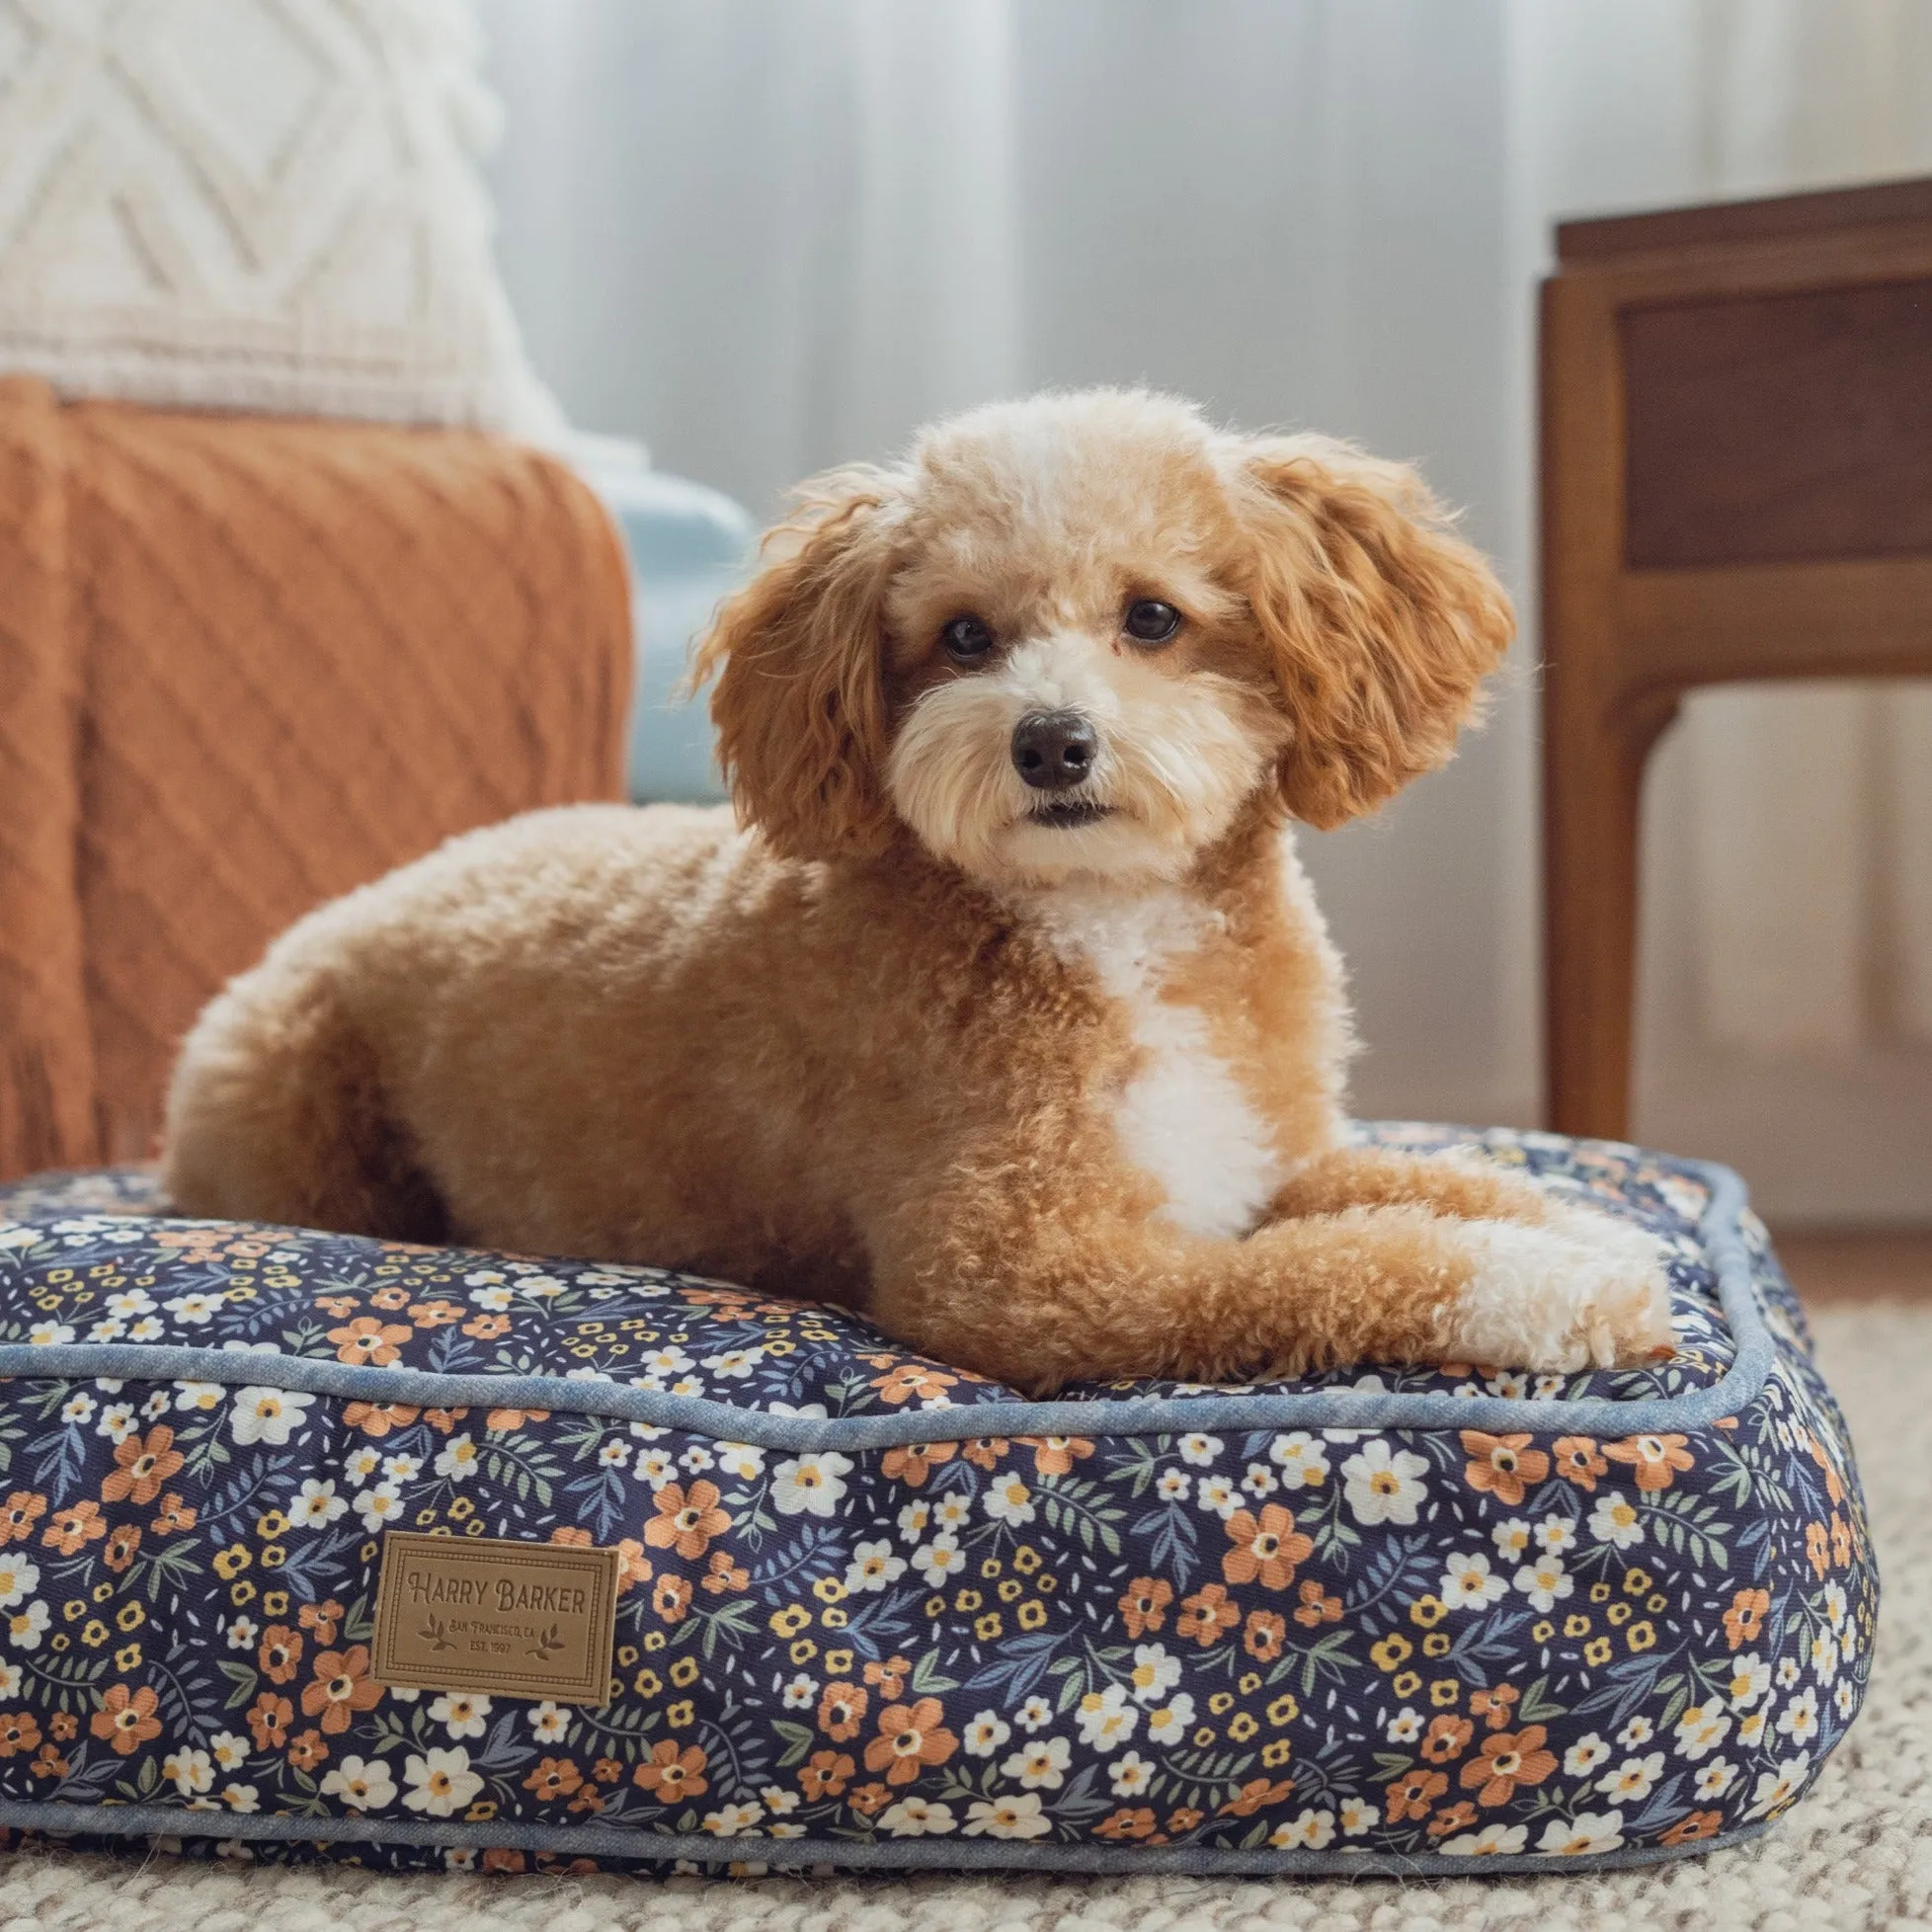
(768, 234)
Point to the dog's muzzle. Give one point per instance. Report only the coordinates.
(1054, 751)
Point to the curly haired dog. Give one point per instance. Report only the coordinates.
(1007, 1019)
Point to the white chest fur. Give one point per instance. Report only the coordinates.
(1183, 1119)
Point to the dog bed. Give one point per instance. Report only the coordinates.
(867, 1611)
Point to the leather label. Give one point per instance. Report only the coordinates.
(509, 1619)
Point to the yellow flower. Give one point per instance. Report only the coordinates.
(683, 1673)
(1026, 1559)
(828, 1589)
(1284, 1710)
(271, 1524)
(273, 1556)
(131, 1616)
(790, 1621)
(834, 1618)
(1427, 1611)
(94, 1633)
(275, 1604)
(1221, 1701)
(966, 1602)
(647, 1683)
(1242, 1726)
(1444, 1691)
(232, 1561)
(1032, 1615)
(1636, 1582)
(1436, 1643)
(1278, 1753)
(127, 1658)
(988, 1627)
(838, 1663)
(1393, 1650)
(1576, 1625)
(1406, 1683)
(681, 1716)
(1640, 1636)
(241, 1594)
(1597, 1651)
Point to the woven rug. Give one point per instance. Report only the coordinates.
(1857, 1853)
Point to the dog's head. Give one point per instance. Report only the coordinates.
(1078, 634)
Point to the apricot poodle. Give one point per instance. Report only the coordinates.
(1003, 1013)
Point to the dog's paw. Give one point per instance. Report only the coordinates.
(1588, 1292)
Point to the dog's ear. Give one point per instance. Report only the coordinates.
(799, 703)
(1380, 620)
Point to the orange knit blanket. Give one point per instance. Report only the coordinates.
(246, 664)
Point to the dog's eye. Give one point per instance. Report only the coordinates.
(1149, 621)
(967, 638)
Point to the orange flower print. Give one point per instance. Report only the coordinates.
(868, 1799)
(825, 1775)
(281, 1654)
(673, 1771)
(889, 1678)
(437, 1314)
(1206, 1614)
(378, 1419)
(340, 1687)
(49, 1763)
(841, 1710)
(726, 1575)
(20, 1731)
(337, 1304)
(125, 1719)
(142, 1467)
(500, 1421)
(1257, 1793)
(1509, 1758)
(1493, 1705)
(1055, 1455)
(1268, 1547)
(912, 1464)
(1458, 1817)
(1413, 1795)
(1502, 1465)
(320, 1620)
(1656, 1458)
(1318, 1606)
(487, 1327)
(555, 1777)
(1835, 1484)
(1448, 1736)
(21, 1511)
(268, 1719)
(985, 1451)
(1842, 1541)
(1264, 1635)
(307, 1750)
(1699, 1824)
(1818, 1550)
(1144, 1604)
(1746, 1617)
(685, 1522)
(175, 1515)
(122, 1545)
(367, 1342)
(68, 1529)
(442, 1420)
(911, 1737)
(910, 1379)
(1579, 1462)
(670, 1599)
(390, 1298)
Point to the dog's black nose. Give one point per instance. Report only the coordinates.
(1054, 750)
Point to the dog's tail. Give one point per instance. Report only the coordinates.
(276, 1112)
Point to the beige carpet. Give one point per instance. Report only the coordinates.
(1857, 1854)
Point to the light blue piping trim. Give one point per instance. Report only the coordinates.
(953, 1854)
(1720, 1231)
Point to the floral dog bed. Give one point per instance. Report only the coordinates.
(873, 1612)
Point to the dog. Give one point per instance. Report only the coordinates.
(1002, 1014)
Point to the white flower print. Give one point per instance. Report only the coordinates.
(1492, 1838)
(1798, 1720)
(193, 1310)
(1633, 1779)
(1303, 1459)
(242, 1798)
(26, 1628)
(1586, 1835)
(1008, 1500)
(873, 1567)
(1545, 1582)
(379, 1506)
(984, 1735)
(551, 1724)
(1776, 1789)
(77, 1408)
(1700, 1729)
(201, 1396)
(1715, 1778)
(741, 1460)
(1359, 1817)
(1583, 1756)
(1511, 1538)
(228, 1751)
(462, 1715)
(1040, 1764)
(1130, 1774)
(362, 1463)
(366, 1785)
(1174, 1486)
(1018, 1816)
(1615, 1520)
(1034, 1713)
(810, 1486)
(1308, 1830)
(1105, 1718)
(190, 1772)
(1218, 1495)
(734, 1364)
(733, 1820)
(439, 1782)
(316, 1506)
(1467, 1584)
(1199, 1450)
(918, 1818)
(1554, 1535)
(18, 1577)
(459, 1458)
(1155, 1672)
(1169, 1724)
(267, 1416)
(1384, 1486)
(940, 1559)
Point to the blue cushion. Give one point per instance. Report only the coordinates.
(688, 547)
(877, 1612)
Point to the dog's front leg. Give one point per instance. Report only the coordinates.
(1458, 1182)
(1039, 1299)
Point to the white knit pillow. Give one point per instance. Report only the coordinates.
(261, 204)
